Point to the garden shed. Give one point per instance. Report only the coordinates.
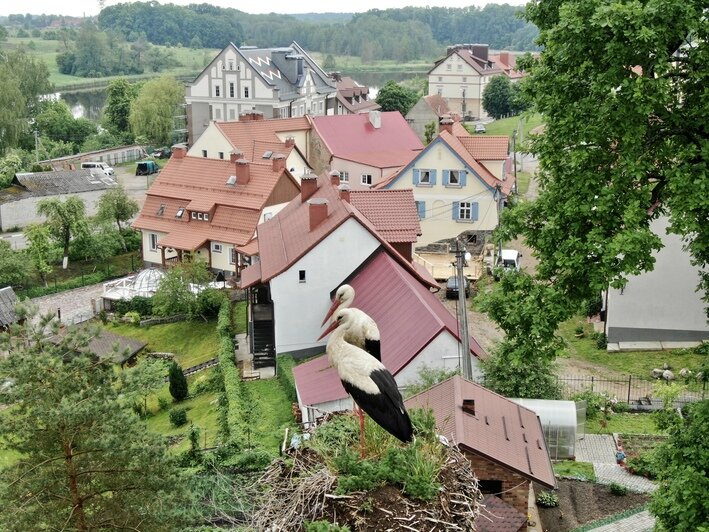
(562, 423)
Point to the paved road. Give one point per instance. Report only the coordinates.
(73, 305)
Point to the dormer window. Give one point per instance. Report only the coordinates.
(161, 210)
(194, 215)
(206, 216)
(180, 212)
(200, 216)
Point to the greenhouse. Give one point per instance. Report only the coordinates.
(143, 284)
(563, 422)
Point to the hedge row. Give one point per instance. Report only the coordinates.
(76, 282)
(284, 372)
(233, 385)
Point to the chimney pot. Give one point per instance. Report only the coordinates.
(335, 178)
(279, 162)
(317, 211)
(179, 151)
(469, 406)
(236, 155)
(308, 186)
(243, 173)
(446, 124)
(290, 142)
(344, 192)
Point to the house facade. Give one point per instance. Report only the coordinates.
(461, 78)
(428, 110)
(277, 82)
(363, 148)
(454, 191)
(255, 137)
(209, 209)
(659, 309)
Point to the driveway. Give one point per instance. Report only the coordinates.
(73, 306)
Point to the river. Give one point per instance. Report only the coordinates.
(89, 103)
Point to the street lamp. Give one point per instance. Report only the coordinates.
(463, 107)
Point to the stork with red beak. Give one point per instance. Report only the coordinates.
(365, 333)
(366, 379)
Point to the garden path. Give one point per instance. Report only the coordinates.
(639, 522)
(75, 305)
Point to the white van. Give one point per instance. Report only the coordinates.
(99, 166)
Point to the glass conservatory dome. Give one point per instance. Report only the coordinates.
(146, 283)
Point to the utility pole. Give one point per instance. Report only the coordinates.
(36, 146)
(460, 259)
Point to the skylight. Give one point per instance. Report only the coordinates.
(231, 181)
(180, 212)
(161, 210)
(267, 155)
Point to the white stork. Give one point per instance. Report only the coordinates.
(366, 379)
(365, 333)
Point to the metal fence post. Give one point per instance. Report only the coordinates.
(630, 379)
(592, 383)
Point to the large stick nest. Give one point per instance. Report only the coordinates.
(302, 489)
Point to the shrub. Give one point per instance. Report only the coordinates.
(548, 499)
(323, 526)
(643, 465)
(601, 341)
(594, 306)
(163, 403)
(594, 402)
(141, 305)
(284, 372)
(178, 417)
(618, 489)
(132, 317)
(209, 302)
(178, 383)
(578, 331)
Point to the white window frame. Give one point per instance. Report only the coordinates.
(427, 181)
(153, 241)
(180, 213)
(216, 91)
(344, 177)
(204, 153)
(302, 276)
(232, 255)
(200, 216)
(231, 89)
(366, 179)
(206, 216)
(451, 174)
(217, 248)
(194, 215)
(465, 207)
(246, 92)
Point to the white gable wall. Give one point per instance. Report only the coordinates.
(299, 307)
(213, 141)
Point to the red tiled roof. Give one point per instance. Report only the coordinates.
(438, 104)
(393, 213)
(499, 516)
(287, 237)
(408, 315)
(353, 138)
(481, 66)
(199, 184)
(254, 137)
(507, 62)
(486, 147)
(501, 430)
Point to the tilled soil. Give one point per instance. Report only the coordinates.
(583, 502)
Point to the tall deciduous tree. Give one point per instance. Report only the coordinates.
(65, 220)
(119, 96)
(115, 206)
(497, 97)
(174, 295)
(13, 121)
(395, 97)
(152, 114)
(13, 265)
(86, 461)
(40, 249)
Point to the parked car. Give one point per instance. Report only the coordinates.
(452, 287)
(98, 167)
(146, 168)
(161, 153)
(508, 260)
(480, 128)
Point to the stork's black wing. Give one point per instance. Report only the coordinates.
(386, 408)
(374, 348)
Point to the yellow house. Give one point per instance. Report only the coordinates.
(454, 191)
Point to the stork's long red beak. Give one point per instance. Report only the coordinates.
(331, 328)
(330, 312)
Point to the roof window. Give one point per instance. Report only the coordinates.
(161, 210)
(267, 155)
(180, 212)
(231, 180)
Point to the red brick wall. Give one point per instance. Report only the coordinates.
(518, 486)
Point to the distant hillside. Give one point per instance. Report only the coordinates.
(332, 18)
(392, 34)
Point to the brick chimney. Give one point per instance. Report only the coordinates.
(446, 124)
(290, 142)
(236, 155)
(317, 211)
(505, 58)
(179, 151)
(469, 406)
(480, 51)
(335, 178)
(250, 116)
(308, 186)
(344, 192)
(279, 162)
(243, 172)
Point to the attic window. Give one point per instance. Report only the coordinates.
(194, 215)
(267, 155)
(469, 406)
(206, 216)
(301, 276)
(180, 212)
(161, 210)
(231, 180)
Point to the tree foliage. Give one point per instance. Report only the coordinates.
(178, 383)
(174, 295)
(86, 461)
(13, 265)
(119, 96)
(116, 206)
(152, 113)
(65, 220)
(680, 502)
(395, 97)
(40, 249)
(13, 120)
(56, 122)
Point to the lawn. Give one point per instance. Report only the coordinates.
(627, 422)
(636, 363)
(572, 469)
(507, 126)
(272, 413)
(239, 316)
(523, 179)
(192, 342)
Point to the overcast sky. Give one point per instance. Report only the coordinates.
(91, 7)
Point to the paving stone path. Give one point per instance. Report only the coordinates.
(75, 305)
(640, 522)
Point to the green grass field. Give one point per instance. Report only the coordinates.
(627, 422)
(192, 342)
(570, 468)
(523, 179)
(507, 126)
(188, 62)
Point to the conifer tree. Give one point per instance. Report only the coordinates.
(178, 383)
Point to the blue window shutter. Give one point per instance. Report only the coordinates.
(456, 210)
(474, 209)
(463, 178)
(446, 177)
(417, 172)
(421, 206)
(432, 174)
